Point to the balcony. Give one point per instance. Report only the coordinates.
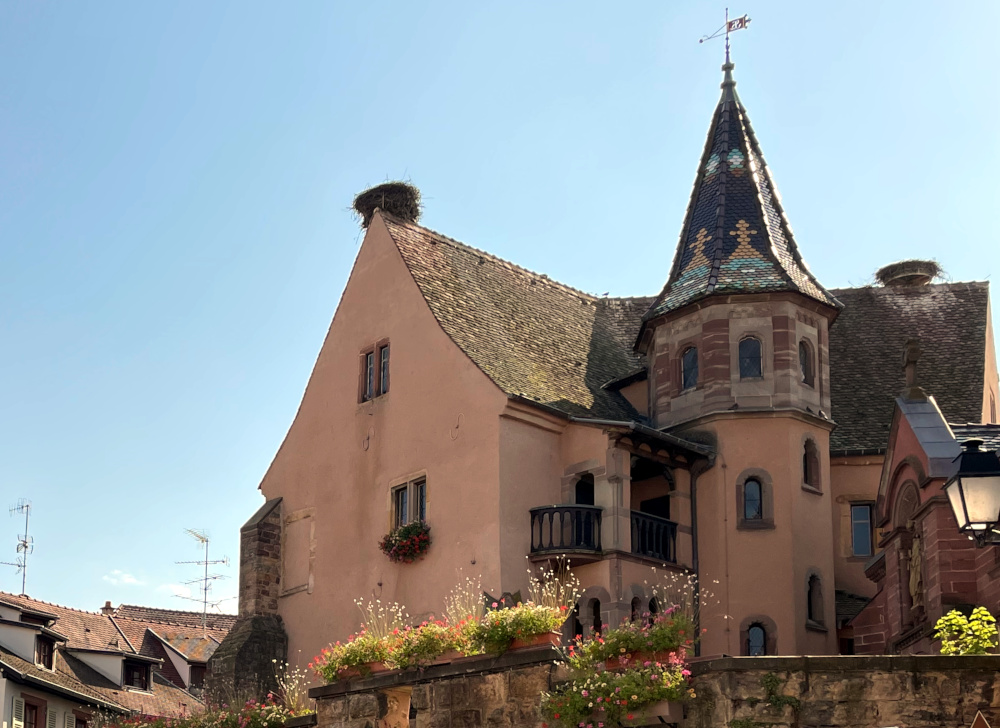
(654, 537)
(576, 529)
(566, 529)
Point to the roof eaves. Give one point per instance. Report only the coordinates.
(24, 677)
(639, 428)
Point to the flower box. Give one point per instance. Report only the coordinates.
(363, 670)
(553, 639)
(665, 711)
(636, 659)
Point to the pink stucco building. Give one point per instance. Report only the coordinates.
(733, 427)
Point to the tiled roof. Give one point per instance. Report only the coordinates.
(989, 434)
(223, 622)
(735, 237)
(866, 355)
(83, 630)
(69, 674)
(848, 606)
(533, 337)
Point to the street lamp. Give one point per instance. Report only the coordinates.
(974, 493)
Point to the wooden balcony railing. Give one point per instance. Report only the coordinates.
(654, 537)
(566, 528)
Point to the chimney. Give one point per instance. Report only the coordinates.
(107, 610)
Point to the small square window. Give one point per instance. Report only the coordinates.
(137, 675)
(409, 503)
(44, 648)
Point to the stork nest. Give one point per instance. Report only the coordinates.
(908, 273)
(399, 199)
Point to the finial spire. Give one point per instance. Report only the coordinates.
(727, 28)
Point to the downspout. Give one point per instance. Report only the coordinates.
(696, 470)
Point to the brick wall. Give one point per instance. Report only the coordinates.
(832, 692)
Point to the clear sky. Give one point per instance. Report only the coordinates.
(175, 233)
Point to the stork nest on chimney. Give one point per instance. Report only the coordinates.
(400, 199)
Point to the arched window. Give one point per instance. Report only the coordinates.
(810, 464)
(596, 625)
(756, 640)
(750, 364)
(654, 608)
(636, 606)
(806, 364)
(575, 621)
(689, 368)
(814, 605)
(753, 500)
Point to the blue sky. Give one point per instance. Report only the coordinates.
(175, 233)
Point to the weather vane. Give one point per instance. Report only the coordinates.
(729, 27)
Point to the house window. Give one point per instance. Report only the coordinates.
(383, 369)
(689, 368)
(810, 464)
(137, 675)
(861, 529)
(44, 648)
(806, 365)
(409, 502)
(79, 722)
(750, 365)
(756, 640)
(30, 716)
(753, 500)
(814, 604)
(197, 676)
(374, 372)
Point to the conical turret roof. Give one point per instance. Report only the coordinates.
(735, 237)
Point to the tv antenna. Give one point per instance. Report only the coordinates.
(205, 581)
(25, 544)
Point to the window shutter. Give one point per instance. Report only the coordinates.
(18, 715)
(70, 720)
(51, 720)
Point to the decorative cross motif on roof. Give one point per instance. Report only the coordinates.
(698, 246)
(744, 249)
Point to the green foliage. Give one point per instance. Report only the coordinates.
(959, 635)
(652, 634)
(267, 714)
(744, 723)
(420, 645)
(340, 659)
(499, 627)
(407, 543)
(771, 684)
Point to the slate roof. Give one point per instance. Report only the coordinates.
(866, 355)
(534, 337)
(989, 434)
(735, 237)
(848, 605)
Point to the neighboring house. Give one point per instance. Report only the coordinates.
(60, 666)
(734, 426)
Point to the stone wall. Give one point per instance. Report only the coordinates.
(915, 691)
(742, 692)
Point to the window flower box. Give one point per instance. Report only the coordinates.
(553, 639)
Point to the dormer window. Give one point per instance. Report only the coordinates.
(44, 650)
(136, 675)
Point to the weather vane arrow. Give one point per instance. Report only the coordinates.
(730, 26)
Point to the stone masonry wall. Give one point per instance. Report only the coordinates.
(744, 692)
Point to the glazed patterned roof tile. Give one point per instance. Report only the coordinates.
(533, 337)
(866, 355)
(735, 237)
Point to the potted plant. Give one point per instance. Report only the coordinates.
(522, 625)
(406, 543)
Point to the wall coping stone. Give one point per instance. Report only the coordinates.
(466, 666)
(849, 663)
(301, 721)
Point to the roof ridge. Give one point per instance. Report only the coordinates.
(924, 287)
(50, 604)
(542, 277)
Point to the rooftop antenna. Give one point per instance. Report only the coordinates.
(205, 581)
(25, 544)
(728, 27)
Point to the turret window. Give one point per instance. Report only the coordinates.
(753, 500)
(806, 363)
(810, 465)
(750, 359)
(756, 640)
(689, 368)
(814, 605)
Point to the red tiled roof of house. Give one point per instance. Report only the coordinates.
(83, 630)
(222, 622)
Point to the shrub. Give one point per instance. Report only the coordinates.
(666, 632)
(338, 660)
(975, 635)
(253, 714)
(420, 645)
(406, 543)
